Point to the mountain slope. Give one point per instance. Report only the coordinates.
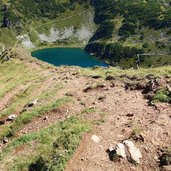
(48, 114)
(117, 32)
(128, 28)
(73, 102)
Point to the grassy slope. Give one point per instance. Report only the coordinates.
(32, 77)
(38, 147)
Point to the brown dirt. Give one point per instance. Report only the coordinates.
(154, 125)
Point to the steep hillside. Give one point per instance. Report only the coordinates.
(45, 111)
(128, 28)
(43, 23)
(116, 30)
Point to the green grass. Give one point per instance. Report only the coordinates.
(27, 117)
(18, 101)
(14, 73)
(7, 36)
(25, 96)
(49, 148)
(116, 71)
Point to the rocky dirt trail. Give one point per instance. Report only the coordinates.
(127, 113)
(123, 115)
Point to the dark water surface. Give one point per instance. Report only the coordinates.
(67, 56)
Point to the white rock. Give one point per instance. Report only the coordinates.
(120, 150)
(110, 149)
(83, 33)
(5, 140)
(133, 153)
(57, 34)
(95, 138)
(25, 41)
(12, 117)
(33, 103)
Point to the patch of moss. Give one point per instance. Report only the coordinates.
(162, 95)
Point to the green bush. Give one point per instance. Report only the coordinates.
(162, 95)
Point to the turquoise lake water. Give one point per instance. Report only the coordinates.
(67, 56)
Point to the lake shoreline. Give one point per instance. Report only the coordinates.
(71, 56)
